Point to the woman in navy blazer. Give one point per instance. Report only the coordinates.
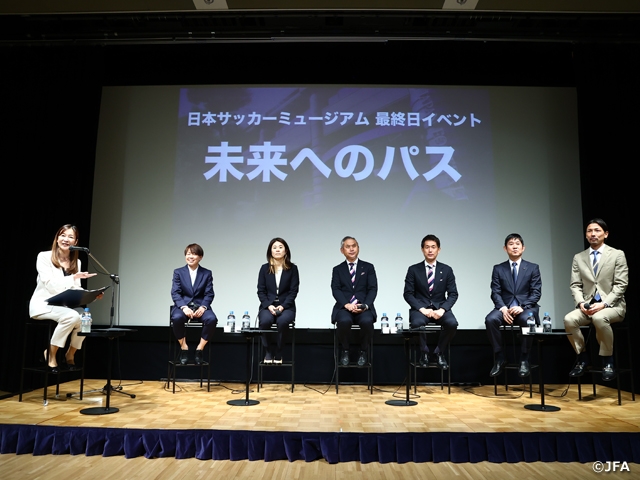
(278, 284)
(192, 293)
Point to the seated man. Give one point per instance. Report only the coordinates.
(599, 278)
(430, 289)
(354, 286)
(192, 293)
(516, 287)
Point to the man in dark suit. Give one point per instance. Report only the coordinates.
(354, 286)
(430, 289)
(516, 287)
(192, 293)
(599, 279)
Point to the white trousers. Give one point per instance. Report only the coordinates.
(68, 323)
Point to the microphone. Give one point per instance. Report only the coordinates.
(80, 249)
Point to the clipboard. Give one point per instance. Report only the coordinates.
(73, 297)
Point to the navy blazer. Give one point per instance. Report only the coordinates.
(200, 293)
(527, 290)
(416, 291)
(287, 293)
(365, 287)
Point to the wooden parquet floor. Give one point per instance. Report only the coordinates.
(63, 467)
(353, 410)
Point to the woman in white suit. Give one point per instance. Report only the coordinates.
(59, 270)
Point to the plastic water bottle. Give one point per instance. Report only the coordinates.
(531, 322)
(246, 321)
(231, 321)
(398, 322)
(384, 323)
(546, 323)
(85, 321)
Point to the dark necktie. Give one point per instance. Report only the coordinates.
(431, 274)
(352, 272)
(514, 273)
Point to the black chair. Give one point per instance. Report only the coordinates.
(33, 332)
(368, 366)
(290, 364)
(174, 355)
(619, 328)
(415, 361)
(515, 364)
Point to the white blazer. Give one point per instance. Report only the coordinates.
(51, 281)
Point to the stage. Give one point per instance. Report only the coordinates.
(469, 425)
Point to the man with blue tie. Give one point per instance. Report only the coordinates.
(354, 286)
(599, 279)
(430, 290)
(516, 287)
(192, 293)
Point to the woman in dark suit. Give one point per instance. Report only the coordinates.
(278, 284)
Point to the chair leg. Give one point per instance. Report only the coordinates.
(336, 358)
(260, 358)
(415, 371)
(629, 350)
(293, 358)
(579, 389)
(209, 369)
(24, 354)
(449, 370)
(370, 366)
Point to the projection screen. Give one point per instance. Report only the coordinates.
(231, 167)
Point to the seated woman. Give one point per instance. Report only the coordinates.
(192, 293)
(59, 270)
(278, 284)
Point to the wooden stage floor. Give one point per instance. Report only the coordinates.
(473, 409)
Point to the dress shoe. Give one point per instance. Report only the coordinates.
(578, 369)
(424, 359)
(442, 362)
(184, 357)
(362, 358)
(608, 372)
(277, 357)
(198, 358)
(524, 368)
(344, 358)
(498, 367)
(268, 358)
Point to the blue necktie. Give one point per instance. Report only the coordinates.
(514, 273)
(430, 277)
(352, 272)
(596, 297)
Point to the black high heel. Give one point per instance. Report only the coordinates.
(44, 360)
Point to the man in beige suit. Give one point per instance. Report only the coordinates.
(599, 278)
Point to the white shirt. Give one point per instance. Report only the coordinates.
(355, 264)
(193, 273)
(426, 267)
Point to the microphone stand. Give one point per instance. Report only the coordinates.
(115, 284)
